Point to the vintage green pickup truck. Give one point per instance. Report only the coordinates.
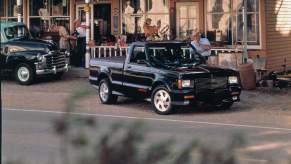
(26, 58)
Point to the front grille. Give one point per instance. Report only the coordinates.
(55, 59)
(210, 83)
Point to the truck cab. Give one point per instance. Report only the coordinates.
(25, 58)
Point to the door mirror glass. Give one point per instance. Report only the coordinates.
(142, 62)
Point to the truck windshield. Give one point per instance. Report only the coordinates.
(16, 32)
(173, 55)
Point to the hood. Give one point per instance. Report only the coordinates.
(203, 71)
(33, 44)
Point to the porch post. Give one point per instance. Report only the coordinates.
(87, 55)
(245, 32)
(19, 10)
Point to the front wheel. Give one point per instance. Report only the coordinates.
(105, 92)
(224, 105)
(161, 101)
(24, 74)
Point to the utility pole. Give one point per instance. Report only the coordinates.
(87, 54)
(19, 10)
(245, 32)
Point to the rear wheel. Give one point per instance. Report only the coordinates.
(105, 92)
(24, 74)
(161, 101)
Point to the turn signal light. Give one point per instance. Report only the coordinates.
(235, 93)
(189, 97)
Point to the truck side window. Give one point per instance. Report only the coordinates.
(137, 55)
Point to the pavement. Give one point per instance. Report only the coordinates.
(262, 117)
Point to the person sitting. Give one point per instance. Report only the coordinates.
(202, 45)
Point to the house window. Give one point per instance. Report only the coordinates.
(136, 11)
(224, 21)
(44, 15)
(8, 10)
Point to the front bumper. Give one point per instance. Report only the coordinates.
(212, 96)
(53, 70)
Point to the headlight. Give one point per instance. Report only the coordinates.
(185, 84)
(232, 79)
(67, 53)
(40, 58)
(46, 49)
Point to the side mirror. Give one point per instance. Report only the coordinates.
(4, 50)
(143, 62)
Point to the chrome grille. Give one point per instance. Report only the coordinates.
(203, 84)
(55, 59)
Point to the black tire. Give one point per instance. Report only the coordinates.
(24, 74)
(110, 98)
(224, 105)
(164, 108)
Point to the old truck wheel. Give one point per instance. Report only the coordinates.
(161, 101)
(24, 74)
(105, 92)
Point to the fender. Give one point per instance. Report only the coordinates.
(104, 71)
(29, 57)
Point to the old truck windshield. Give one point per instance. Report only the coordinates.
(16, 32)
(173, 55)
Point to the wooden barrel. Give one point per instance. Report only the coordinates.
(247, 76)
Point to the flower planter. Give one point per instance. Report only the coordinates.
(247, 76)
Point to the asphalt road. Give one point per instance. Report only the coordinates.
(264, 119)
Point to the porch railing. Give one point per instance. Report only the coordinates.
(113, 51)
(108, 51)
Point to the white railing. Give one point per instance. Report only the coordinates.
(108, 51)
(113, 51)
(216, 51)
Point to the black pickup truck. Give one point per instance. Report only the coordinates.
(168, 73)
(25, 58)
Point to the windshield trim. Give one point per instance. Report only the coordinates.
(18, 37)
(178, 61)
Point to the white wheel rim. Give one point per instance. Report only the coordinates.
(23, 74)
(162, 100)
(104, 92)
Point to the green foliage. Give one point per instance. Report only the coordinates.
(121, 143)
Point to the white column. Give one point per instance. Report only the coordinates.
(87, 55)
(19, 10)
(245, 32)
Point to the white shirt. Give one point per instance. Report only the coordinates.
(81, 31)
(199, 46)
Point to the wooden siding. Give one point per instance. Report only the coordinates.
(278, 33)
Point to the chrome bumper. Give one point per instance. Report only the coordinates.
(54, 70)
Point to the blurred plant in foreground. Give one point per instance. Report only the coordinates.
(122, 143)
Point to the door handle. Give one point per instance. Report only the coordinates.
(128, 67)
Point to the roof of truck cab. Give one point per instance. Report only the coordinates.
(5, 24)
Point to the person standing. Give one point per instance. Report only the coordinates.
(65, 38)
(80, 33)
(202, 45)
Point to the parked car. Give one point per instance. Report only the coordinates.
(168, 73)
(26, 58)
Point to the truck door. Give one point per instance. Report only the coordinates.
(137, 78)
(2, 56)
